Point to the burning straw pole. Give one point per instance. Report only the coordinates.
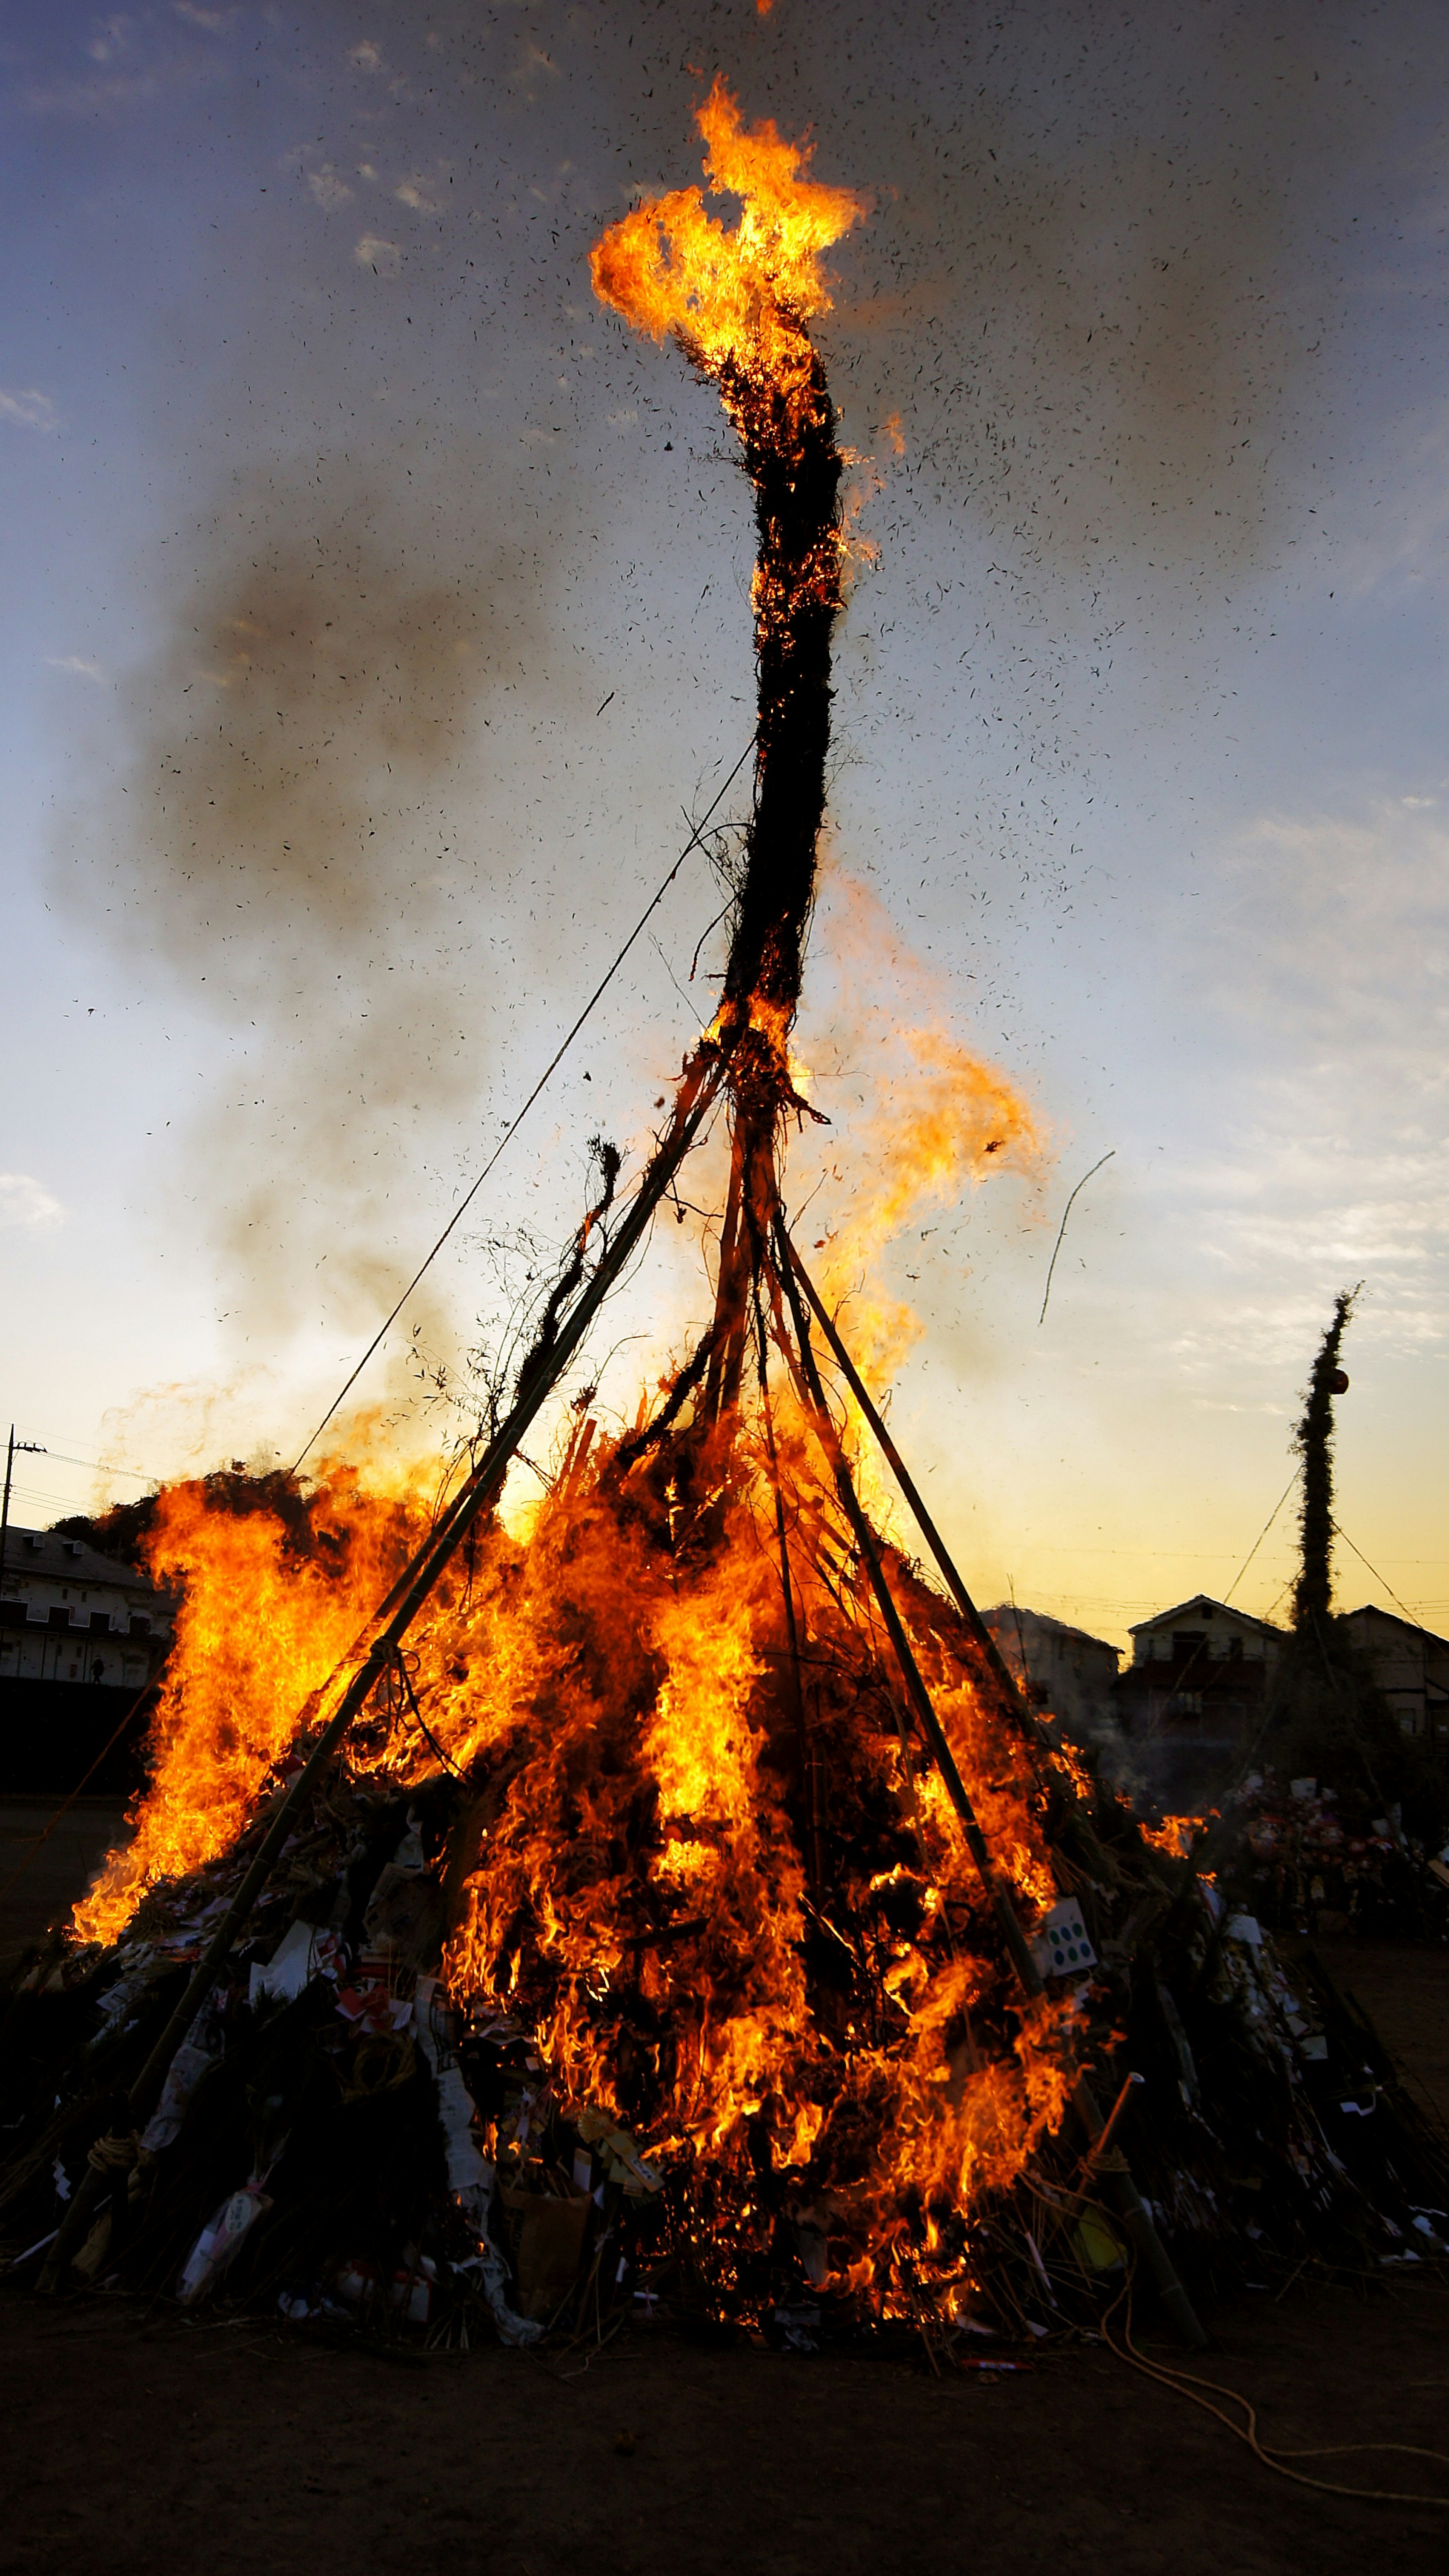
(739, 304)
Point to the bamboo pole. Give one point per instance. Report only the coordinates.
(404, 1601)
(1010, 1692)
(809, 1784)
(1029, 1975)
(1114, 2179)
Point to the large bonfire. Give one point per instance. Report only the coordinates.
(676, 1901)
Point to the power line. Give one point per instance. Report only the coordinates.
(140, 1475)
(511, 1131)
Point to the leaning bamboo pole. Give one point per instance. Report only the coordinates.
(1111, 2172)
(358, 1675)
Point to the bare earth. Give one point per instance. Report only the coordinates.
(131, 2444)
(136, 2439)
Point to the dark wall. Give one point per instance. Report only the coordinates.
(51, 1733)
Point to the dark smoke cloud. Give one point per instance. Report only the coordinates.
(305, 744)
(1102, 282)
(1111, 249)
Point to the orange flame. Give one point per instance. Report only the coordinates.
(259, 1629)
(736, 301)
(626, 1873)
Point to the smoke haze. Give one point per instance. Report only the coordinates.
(1099, 289)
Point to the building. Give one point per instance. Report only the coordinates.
(1410, 1666)
(1192, 1696)
(1061, 1669)
(68, 1614)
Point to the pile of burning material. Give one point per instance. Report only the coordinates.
(677, 1905)
(631, 1952)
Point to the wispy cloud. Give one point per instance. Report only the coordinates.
(1320, 1154)
(78, 668)
(329, 191)
(28, 410)
(382, 257)
(24, 1202)
(112, 37)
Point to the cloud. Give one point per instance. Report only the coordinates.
(112, 37)
(382, 257)
(25, 1202)
(1322, 1155)
(28, 410)
(329, 191)
(80, 670)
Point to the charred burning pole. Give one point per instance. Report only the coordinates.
(794, 461)
(738, 304)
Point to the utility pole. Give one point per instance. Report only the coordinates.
(15, 1449)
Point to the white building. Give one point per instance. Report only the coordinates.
(68, 1614)
(1204, 1632)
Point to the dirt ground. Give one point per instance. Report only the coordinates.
(133, 2437)
(131, 2442)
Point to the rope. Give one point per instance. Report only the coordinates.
(419, 1720)
(118, 2155)
(1414, 1623)
(694, 842)
(1186, 2383)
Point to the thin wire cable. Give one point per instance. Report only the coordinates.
(1262, 1534)
(138, 1475)
(1380, 1578)
(511, 1131)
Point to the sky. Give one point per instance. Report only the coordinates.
(377, 626)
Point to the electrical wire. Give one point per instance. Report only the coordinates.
(694, 842)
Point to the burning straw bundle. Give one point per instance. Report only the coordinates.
(681, 1905)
